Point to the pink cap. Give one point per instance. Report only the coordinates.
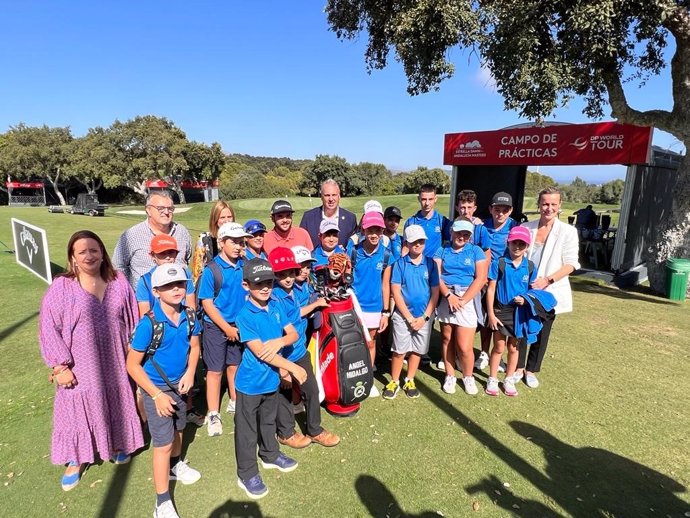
(373, 219)
(520, 234)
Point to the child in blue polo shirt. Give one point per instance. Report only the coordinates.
(255, 240)
(221, 344)
(414, 283)
(371, 283)
(285, 269)
(436, 226)
(509, 277)
(164, 377)
(163, 251)
(265, 330)
(328, 236)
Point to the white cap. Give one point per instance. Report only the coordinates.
(232, 230)
(302, 253)
(326, 225)
(414, 233)
(373, 206)
(167, 273)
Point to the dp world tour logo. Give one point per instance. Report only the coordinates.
(580, 143)
(599, 142)
(27, 240)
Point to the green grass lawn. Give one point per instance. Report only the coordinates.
(605, 435)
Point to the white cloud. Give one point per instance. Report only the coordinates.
(484, 79)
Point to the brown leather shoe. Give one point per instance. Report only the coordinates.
(297, 441)
(326, 438)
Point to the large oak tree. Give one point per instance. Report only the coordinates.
(542, 53)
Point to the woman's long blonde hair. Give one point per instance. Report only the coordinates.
(215, 215)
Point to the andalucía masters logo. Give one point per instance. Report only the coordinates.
(470, 149)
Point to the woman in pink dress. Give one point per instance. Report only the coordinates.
(86, 318)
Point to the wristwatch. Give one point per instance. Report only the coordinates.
(385, 313)
(449, 294)
(551, 280)
(426, 317)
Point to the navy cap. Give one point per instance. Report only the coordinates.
(254, 226)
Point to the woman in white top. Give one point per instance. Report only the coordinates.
(555, 254)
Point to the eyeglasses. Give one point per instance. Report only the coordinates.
(162, 209)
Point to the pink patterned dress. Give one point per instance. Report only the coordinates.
(98, 417)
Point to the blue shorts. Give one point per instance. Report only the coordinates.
(162, 429)
(218, 351)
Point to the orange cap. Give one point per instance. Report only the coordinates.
(162, 243)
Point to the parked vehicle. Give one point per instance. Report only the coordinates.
(88, 204)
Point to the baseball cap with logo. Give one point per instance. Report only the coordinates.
(414, 233)
(282, 258)
(166, 274)
(281, 206)
(461, 225)
(520, 233)
(392, 212)
(162, 243)
(257, 270)
(373, 219)
(502, 198)
(373, 206)
(302, 254)
(254, 226)
(327, 225)
(234, 230)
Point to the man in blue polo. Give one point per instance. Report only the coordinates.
(436, 227)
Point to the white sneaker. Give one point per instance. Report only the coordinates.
(441, 365)
(231, 407)
(214, 425)
(509, 387)
(374, 392)
(449, 385)
(470, 385)
(531, 380)
(165, 510)
(482, 362)
(182, 472)
(501, 366)
(492, 387)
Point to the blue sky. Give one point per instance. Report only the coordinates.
(262, 77)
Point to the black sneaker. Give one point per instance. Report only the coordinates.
(391, 390)
(410, 389)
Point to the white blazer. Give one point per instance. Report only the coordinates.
(561, 248)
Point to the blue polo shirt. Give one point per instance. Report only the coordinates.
(416, 281)
(481, 237)
(144, 291)
(499, 237)
(436, 227)
(172, 353)
(396, 246)
(231, 296)
(514, 282)
(322, 258)
(458, 266)
(302, 292)
(254, 376)
(367, 276)
(289, 306)
(248, 254)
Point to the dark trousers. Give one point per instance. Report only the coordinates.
(531, 360)
(310, 394)
(255, 421)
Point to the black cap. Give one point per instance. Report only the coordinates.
(392, 212)
(502, 198)
(281, 206)
(257, 270)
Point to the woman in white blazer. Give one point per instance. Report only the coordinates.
(554, 252)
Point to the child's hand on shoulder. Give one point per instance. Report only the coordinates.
(298, 373)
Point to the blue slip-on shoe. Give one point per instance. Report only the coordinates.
(254, 487)
(282, 463)
(121, 458)
(71, 481)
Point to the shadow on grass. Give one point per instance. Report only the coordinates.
(635, 293)
(231, 509)
(9, 331)
(113, 497)
(583, 481)
(380, 502)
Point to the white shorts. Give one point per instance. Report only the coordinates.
(371, 320)
(466, 316)
(407, 341)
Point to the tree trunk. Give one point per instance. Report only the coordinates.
(138, 187)
(673, 235)
(54, 183)
(175, 184)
